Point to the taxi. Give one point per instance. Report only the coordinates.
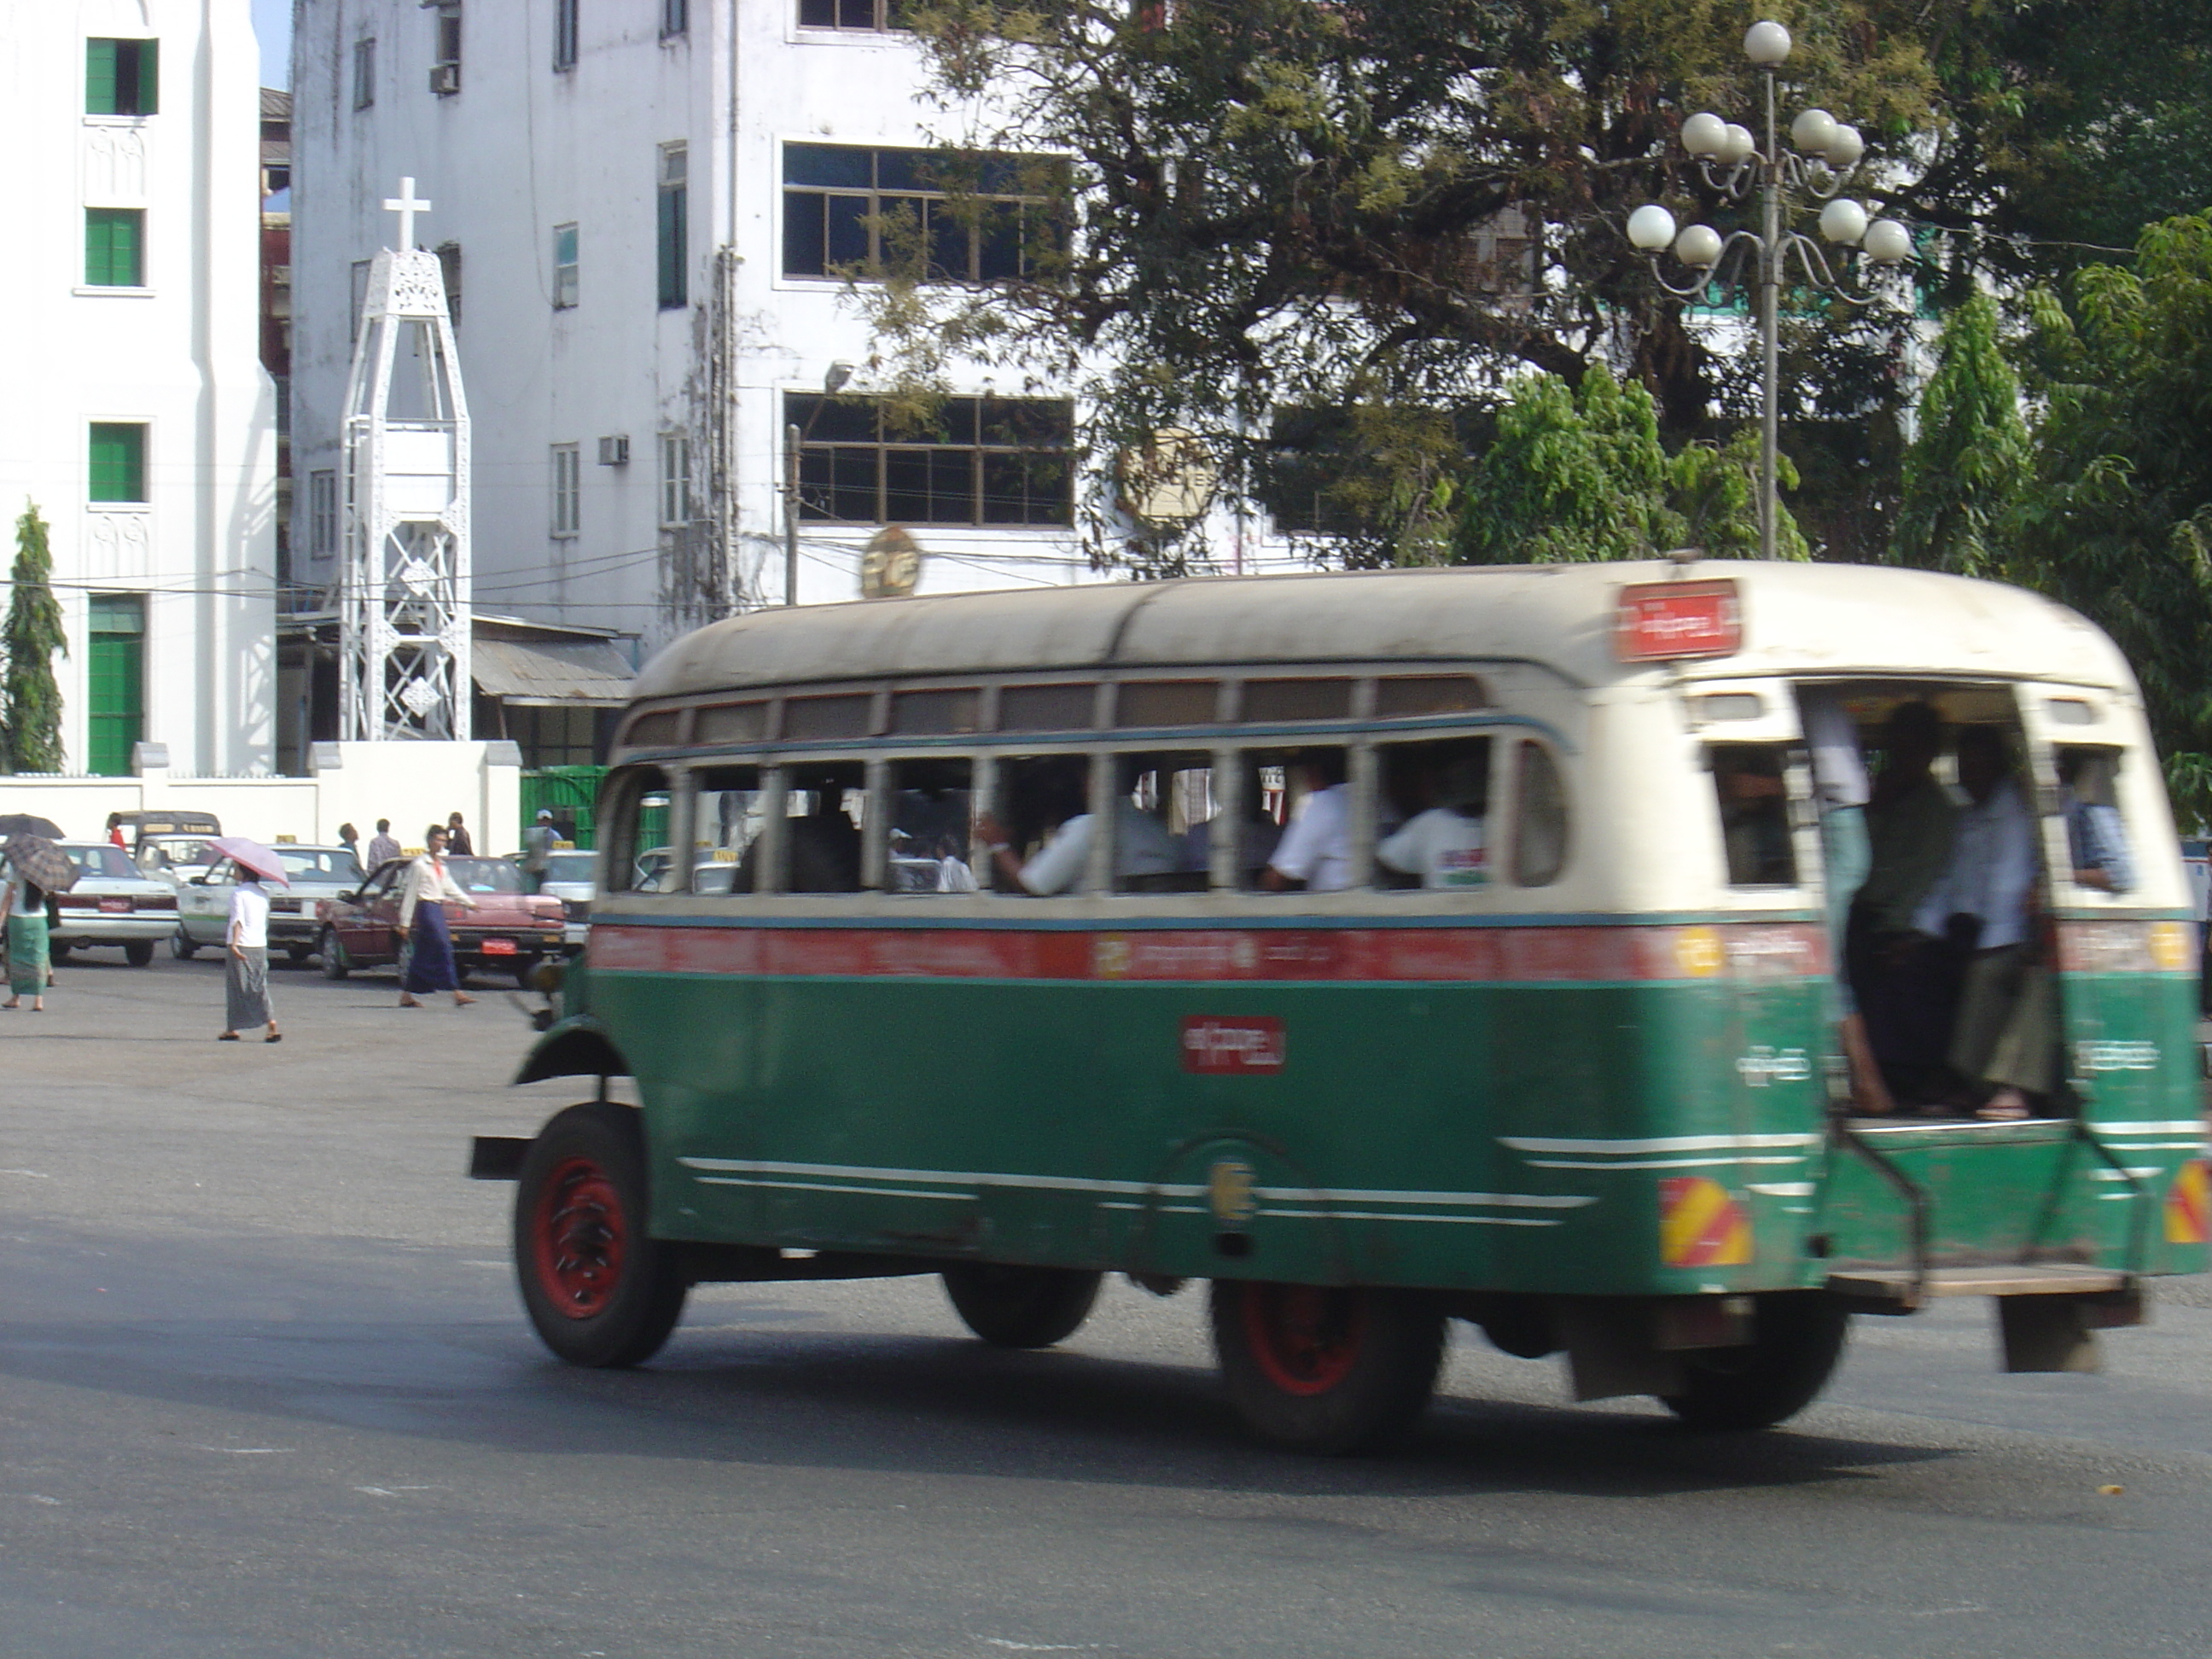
(113, 903)
(509, 931)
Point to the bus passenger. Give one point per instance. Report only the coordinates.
(1142, 845)
(1316, 845)
(1839, 783)
(1983, 906)
(1905, 991)
(1443, 845)
(2096, 838)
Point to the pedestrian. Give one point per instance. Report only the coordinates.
(245, 961)
(23, 910)
(115, 831)
(382, 848)
(537, 849)
(350, 838)
(457, 838)
(424, 892)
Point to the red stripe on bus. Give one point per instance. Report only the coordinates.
(1534, 953)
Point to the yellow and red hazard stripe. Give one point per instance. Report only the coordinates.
(2188, 1204)
(1700, 1225)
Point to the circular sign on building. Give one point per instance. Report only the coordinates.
(890, 564)
(1169, 480)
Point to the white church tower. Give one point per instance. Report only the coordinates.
(404, 605)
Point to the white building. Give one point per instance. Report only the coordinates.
(636, 203)
(138, 418)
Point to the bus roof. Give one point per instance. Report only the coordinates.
(1798, 619)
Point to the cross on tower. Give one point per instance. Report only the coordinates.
(406, 206)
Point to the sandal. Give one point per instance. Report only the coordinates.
(1998, 1108)
(273, 1036)
(228, 1037)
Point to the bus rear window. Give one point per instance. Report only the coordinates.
(1751, 785)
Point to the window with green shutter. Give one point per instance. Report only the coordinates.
(114, 248)
(122, 77)
(115, 681)
(119, 461)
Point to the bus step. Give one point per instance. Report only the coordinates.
(1892, 1286)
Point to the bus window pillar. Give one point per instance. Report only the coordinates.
(1223, 851)
(1105, 784)
(775, 831)
(1362, 770)
(683, 851)
(875, 826)
(983, 803)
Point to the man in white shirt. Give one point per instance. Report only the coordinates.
(1142, 845)
(1316, 845)
(1983, 902)
(1445, 844)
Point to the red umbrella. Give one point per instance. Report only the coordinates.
(252, 855)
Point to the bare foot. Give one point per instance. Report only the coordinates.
(461, 1000)
(406, 1001)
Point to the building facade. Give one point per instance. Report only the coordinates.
(139, 420)
(644, 210)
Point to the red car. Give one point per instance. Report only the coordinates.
(508, 931)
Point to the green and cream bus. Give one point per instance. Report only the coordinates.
(1026, 937)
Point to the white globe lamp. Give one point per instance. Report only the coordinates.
(1813, 132)
(1699, 246)
(1704, 136)
(1766, 44)
(1843, 221)
(1740, 144)
(1650, 228)
(1846, 147)
(1887, 242)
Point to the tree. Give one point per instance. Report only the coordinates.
(1963, 471)
(1578, 475)
(31, 719)
(2117, 520)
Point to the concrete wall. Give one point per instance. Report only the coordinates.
(410, 783)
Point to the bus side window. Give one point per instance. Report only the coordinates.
(728, 817)
(1041, 805)
(1302, 796)
(930, 832)
(1540, 829)
(825, 803)
(1438, 795)
(2097, 844)
(1750, 782)
(639, 858)
(1165, 833)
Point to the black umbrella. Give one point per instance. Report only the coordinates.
(37, 860)
(29, 823)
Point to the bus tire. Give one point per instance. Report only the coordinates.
(600, 1289)
(1797, 1336)
(1020, 1307)
(1329, 1369)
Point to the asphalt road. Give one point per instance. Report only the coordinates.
(266, 1390)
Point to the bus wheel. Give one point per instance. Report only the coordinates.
(600, 1289)
(1796, 1338)
(1327, 1368)
(1020, 1307)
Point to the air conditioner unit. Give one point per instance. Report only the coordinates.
(445, 79)
(614, 451)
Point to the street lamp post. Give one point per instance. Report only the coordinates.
(1823, 153)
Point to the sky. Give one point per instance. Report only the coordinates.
(272, 24)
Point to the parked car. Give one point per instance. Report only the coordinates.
(573, 877)
(295, 923)
(176, 858)
(509, 931)
(113, 903)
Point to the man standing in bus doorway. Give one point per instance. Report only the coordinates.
(1983, 905)
(1841, 790)
(1905, 987)
(424, 892)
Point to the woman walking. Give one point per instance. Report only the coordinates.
(424, 893)
(23, 908)
(246, 963)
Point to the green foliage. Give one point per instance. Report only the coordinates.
(31, 715)
(1964, 469)
(2116, 521)
(1577, 476)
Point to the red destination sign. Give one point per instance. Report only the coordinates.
(1219, 1045)
(1658, 620)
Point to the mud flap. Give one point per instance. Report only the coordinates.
(2059, 1332)
(1610, 1351)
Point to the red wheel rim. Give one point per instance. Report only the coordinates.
(1305, 1338)
(578, 1235)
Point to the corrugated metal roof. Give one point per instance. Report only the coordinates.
(565, 671)
(1798, 618)
(276, 104)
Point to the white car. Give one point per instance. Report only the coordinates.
(294, 919)
(573, 878)
(176, 858)
(113, 903)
